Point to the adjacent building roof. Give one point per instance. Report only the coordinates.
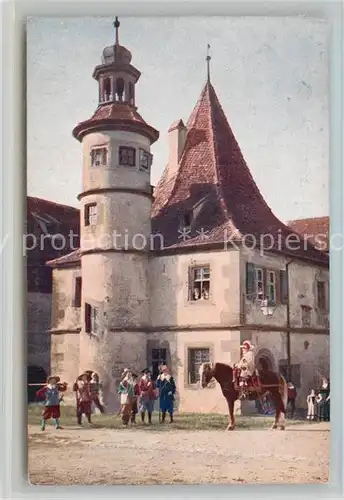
(52, 230)
(212, 196)
(315, 229)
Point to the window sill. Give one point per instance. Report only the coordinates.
(203, 302)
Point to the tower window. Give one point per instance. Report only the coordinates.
(91, 214)
(77, 292)
(127, 156)
(199, 283)
(145, 160)
(119, 89)
(99, 156)
(107, 94)
(92, 317)
(131, 91)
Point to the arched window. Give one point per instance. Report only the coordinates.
(120, 89)
(131, 92)
(107, 90)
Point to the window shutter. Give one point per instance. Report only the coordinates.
(190, 283)
(87, 318)
(250, 281)
(284, 296)
(86, 215)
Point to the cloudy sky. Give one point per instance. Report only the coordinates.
(270, 75)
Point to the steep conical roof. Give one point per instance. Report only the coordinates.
(214, 185)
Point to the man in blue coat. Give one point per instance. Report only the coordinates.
(167, 389)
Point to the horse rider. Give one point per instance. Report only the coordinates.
(246, 368)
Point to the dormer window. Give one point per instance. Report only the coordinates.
(127, 156)
(99, 157)
(145, 160)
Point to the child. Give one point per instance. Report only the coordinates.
(95, 387)
(51, 394)
(83, 398)
(311, 405)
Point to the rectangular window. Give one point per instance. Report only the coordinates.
(145, 160)
(199, 284)
(306, 316)
(196, 358)
(159, 357)
(321, 295)
(77, 292)
(99, 157)
(271, 286)
(91, 214)
(260, 283)
(91, 319)
(127, 156)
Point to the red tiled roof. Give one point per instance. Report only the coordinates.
(47, 223)
(71, 258)
(213, 168)
(315, 229)
(119, 115)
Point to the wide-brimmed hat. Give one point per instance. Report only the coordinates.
(247, 345)
(53, 377)
(146, 371)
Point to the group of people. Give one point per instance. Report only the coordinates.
(318, 403)
(138, 395)
(86, 387)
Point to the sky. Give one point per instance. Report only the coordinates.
(270, 75)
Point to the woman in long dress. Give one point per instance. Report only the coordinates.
(126, 392)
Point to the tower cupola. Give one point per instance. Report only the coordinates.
(117, 109)
(116, 76)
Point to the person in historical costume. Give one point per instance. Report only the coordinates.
(246, 368)
(95, 388)
(323, 400)
(311, 405)
(167, 388)
(83, 397)
(291, 397)
(147, 395)
(126, 392)
(134, 405)
(51, 394)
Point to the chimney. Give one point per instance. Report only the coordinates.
(176, 141)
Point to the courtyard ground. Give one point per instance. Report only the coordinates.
(194, 450)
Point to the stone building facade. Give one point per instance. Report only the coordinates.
(46, 223)
(178, 276)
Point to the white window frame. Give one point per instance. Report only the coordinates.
(145, 156)
(196, 365)
(260, 295)
(204, 278)
(91, 218)
(103, 160)
(271, 283)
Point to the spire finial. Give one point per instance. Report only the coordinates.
(116, 26)
(208, 58)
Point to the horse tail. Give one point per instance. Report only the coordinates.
(284, 393)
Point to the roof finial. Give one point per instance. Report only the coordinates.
(116, 26)
(208, 63)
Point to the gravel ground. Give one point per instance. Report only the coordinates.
(107, 456)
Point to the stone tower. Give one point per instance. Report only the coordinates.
(115, 224)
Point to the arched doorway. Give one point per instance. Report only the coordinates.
(35, 375)
(265, 360)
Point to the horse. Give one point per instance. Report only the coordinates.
(269, 382)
